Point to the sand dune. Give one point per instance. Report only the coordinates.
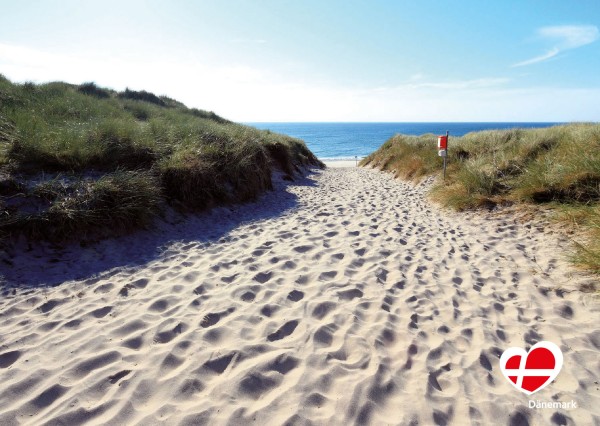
(342, 298)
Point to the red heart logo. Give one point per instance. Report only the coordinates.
(532, 371)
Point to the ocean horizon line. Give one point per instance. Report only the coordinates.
(416, 122)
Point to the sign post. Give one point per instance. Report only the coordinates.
(443, 149)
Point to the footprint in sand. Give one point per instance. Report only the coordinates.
(269, 310)
(326, 276)
(350, 294)
(48, 306)
(201, 289)
(484, 361)
(303, 249)
(360, 252)
(263, 277)
(254, 385)
(9, 358)
(104, 288)
(283, 364)
(322, 309)
(248, 296)
(284, 331)
(137, 284)
(219, 365)
(229, 279)
(381, 275)
(134, 343)
(214, 317)
(159, 306)
(295, 295)
(565, 311)
(288, 265)
(116, 377)
(101, 312)
(47, 398)
(165, 336)
(324, 335)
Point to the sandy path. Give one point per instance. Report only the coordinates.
(346, 298)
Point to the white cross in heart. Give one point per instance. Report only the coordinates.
(532, 371)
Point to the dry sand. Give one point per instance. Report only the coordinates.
(341, 163)
(343, 298)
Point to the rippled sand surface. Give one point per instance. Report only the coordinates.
(341, 298)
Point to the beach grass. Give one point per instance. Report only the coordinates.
(80, 158)
(557, 167)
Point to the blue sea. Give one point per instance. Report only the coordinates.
(344, 141)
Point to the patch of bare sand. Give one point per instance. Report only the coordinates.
(343, 298)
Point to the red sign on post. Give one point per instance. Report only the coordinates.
(442, 142)
(443, 149)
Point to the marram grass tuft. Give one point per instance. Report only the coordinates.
(555, 166)
(75, 160)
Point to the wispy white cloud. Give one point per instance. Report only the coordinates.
(565, 37)
(571, 36)
(544, 57)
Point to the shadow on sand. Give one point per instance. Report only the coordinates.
(48, 265)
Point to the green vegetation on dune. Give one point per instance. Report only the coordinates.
(558, 167)
(83, 159)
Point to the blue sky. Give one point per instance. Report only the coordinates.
(322, 60)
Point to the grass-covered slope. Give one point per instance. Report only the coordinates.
(82, 159)
(557, 166)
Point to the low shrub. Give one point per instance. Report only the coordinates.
(141, 95)
(113, 204)
(92, 90)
